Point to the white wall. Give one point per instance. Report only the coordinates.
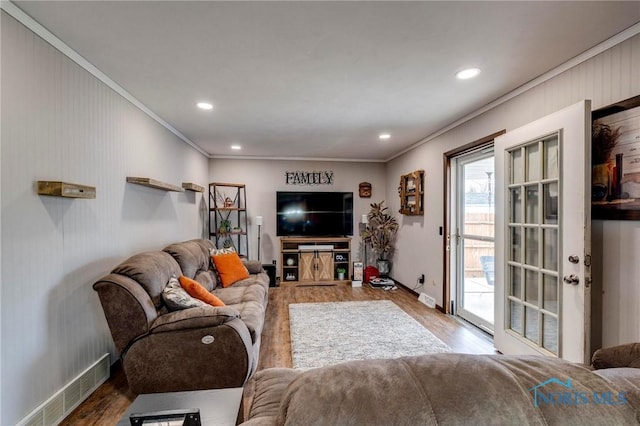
(60, 123)
(264, 177)
(609, 77)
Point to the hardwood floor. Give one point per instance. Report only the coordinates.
(111, 400)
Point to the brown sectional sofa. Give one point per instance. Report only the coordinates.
(197, 348)
(453, 389)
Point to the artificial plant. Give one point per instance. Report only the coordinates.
(380, 231)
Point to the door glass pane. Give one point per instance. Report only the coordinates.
(516, 205)
(477, 287)
(516, 282)
(551, 158)
(550, 333)
(475, 219)
(479, 198)
(550, 203)
(550, 293)
(517, 166)
(516, 238)
(550, 253)
(531, 246)
(532, 207)
(531, 324)
(515, 316)
(531, 287)
(533, 162)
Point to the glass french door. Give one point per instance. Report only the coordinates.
(474, 224)
(543, 232)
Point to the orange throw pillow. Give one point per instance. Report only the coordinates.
(195, 289)
(230, 268)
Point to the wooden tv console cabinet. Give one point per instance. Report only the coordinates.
(314, 260)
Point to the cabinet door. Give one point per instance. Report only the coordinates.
(307, 266)
(325, 266)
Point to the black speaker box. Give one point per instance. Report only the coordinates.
(271, 271)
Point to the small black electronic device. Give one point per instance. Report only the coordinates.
(186, 417)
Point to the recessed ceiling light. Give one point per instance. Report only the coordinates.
(204, 105)
(384, 136)
(236, 147)
(468, 73)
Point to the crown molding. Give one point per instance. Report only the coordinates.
(333, 160)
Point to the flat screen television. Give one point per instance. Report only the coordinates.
(314, 214)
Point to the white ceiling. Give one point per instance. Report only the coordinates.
(323, 79)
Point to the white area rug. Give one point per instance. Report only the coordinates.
(329, 333)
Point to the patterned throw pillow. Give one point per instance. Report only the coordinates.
(177, 298)
(225, 250)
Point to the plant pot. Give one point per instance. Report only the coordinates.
(341, 276)
(384, 267)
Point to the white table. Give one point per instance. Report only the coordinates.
(218, 407)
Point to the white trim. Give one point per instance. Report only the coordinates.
(61, 46)
(583, 57)
(256, 157)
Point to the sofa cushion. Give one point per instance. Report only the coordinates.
(234, 295)
(448, 389)
(196, 290)
(253, 266)
(626, 355)
(194, 260)
(252, 314)
(194, 318)
(230, 268)
(261, 279)
(152, 270)
(269, 386)
(176, 298)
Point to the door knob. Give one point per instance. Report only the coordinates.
(574, 259)
(571, 279)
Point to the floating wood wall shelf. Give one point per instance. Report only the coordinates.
(192, 187)
(65, 189)
(152, 183)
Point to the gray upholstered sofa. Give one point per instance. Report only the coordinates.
(197, 348)
(453, 389)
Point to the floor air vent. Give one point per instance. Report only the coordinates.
(63, 402)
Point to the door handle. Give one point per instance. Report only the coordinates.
(571, 279)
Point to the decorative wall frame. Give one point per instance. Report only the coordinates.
(615, 173)
(364, 190)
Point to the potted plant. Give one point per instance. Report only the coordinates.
(341, 272)
(225, 227)
(380, 234)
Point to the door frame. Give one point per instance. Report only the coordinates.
(481, 143)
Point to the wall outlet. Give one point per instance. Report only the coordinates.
(427, 300)
(421, 279)
(433, 283)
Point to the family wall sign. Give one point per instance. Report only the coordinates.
(309, 178)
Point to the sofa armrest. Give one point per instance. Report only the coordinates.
(253, 266)
(201, 317)
(127, 307)
(627, 355)
(212, 357)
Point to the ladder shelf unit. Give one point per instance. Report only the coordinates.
(228, 222)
